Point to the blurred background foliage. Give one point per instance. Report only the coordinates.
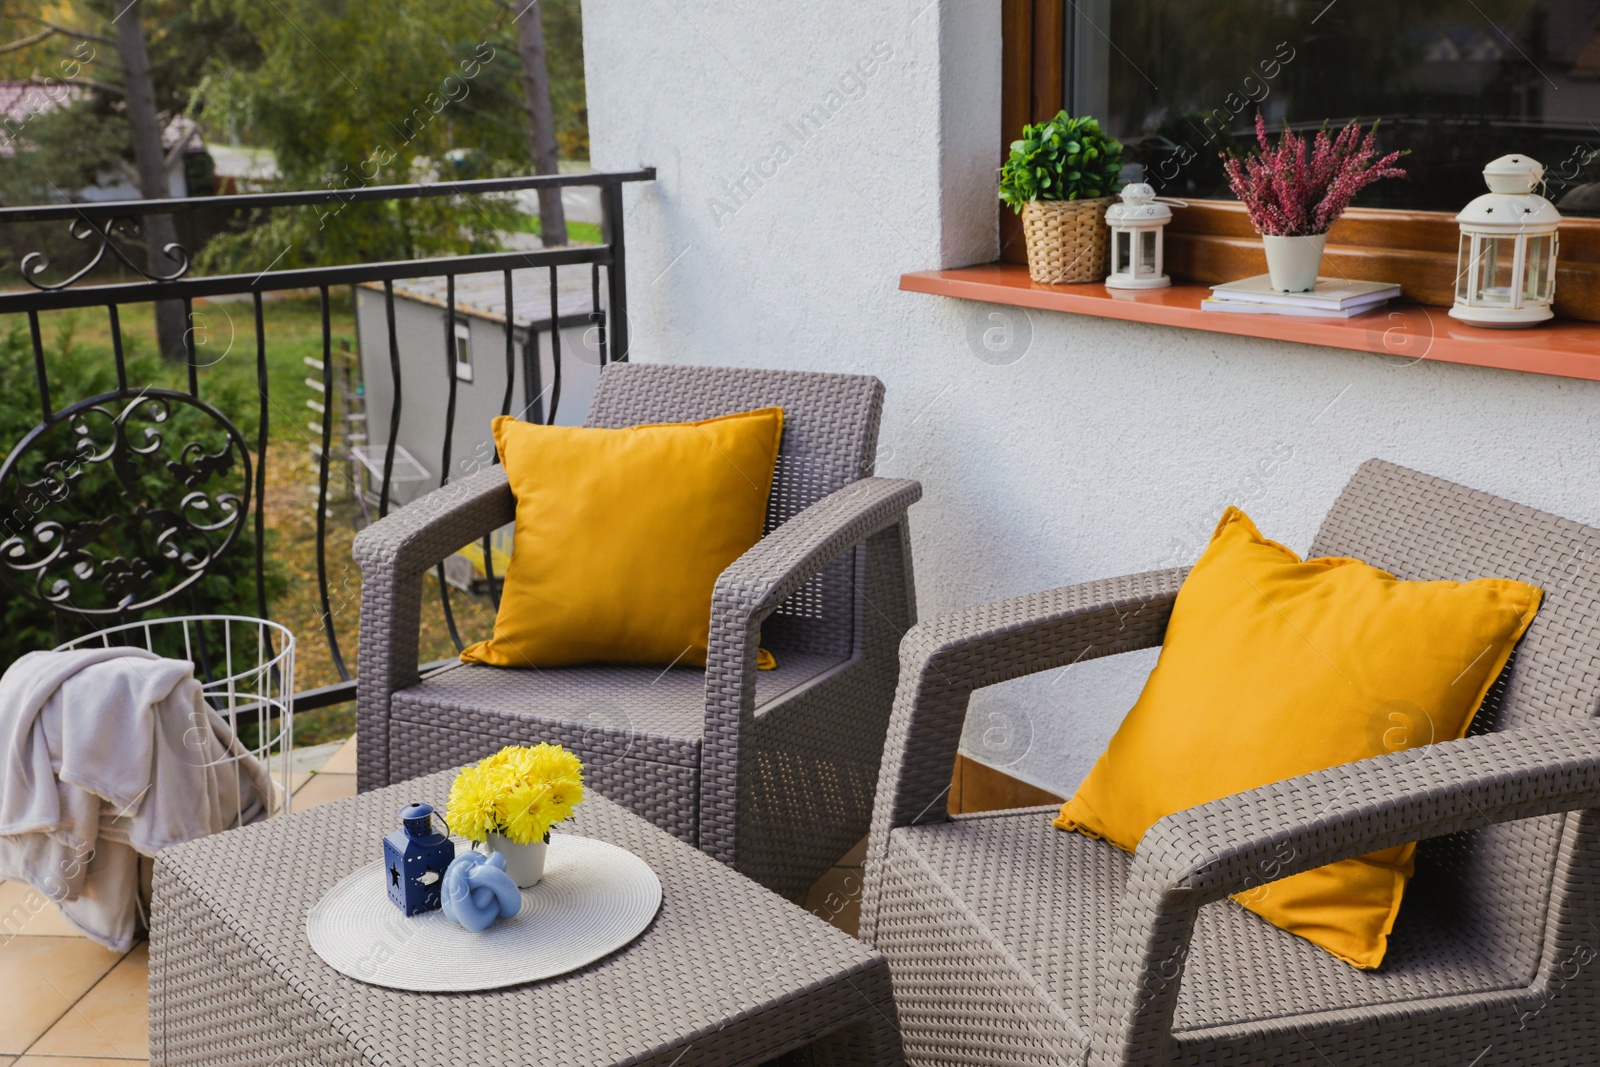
(334, 94)
(339, 98)
(98, 494)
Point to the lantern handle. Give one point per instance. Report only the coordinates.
(1171, 200)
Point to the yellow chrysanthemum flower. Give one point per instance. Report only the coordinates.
(545, 762)
(472, 810)
(565, 793)
(525, 813)
(520, 791)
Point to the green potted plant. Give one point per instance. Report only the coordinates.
(1060, 177)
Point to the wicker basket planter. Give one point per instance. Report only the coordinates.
(1067, 240)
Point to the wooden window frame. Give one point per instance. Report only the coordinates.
(1213, 241)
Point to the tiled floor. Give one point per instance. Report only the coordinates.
(67, 1002)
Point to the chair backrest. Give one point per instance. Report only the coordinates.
(1502, 882)
(830, 439)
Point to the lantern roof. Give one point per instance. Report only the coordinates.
(1511, 205)
(1510, 213)
(1513, 174)
(1139, 207)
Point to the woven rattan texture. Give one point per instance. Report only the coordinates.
(636, 729)
(772, 772)
(1068, 240)
(1012, 942)
(727, 974)
(653, 708)
(1496, 879)
(830, 436)
(394, 553)
(1049, 900)
(666, 792)
(815, 768)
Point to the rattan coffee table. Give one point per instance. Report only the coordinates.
(728, 973)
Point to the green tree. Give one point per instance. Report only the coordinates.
(345, 102)
(102, 83)
(531, 53)
(75, 126)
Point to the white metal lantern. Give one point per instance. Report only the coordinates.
(1506, 270)
(1136, 239)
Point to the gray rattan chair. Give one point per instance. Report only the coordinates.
(1011, 941)
(773, 772)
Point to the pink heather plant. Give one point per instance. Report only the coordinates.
(1290, 192)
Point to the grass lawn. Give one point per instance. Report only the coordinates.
(226, 346)
(578, 233)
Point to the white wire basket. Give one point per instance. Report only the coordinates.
(246, 670)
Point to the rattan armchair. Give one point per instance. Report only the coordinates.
(1011, 941)
(773, 772)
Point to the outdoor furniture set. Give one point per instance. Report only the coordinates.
(1005, 939)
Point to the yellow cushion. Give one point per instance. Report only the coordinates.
(1273, 667)
(621, 535)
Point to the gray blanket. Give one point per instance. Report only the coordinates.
(107, 754)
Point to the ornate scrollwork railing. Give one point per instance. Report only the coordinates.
(84, 229)
(118, 503)
(134, 514)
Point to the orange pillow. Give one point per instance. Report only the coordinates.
(621, 535)
(1274, 667)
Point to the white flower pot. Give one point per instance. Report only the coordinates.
(1292, 262)
(524, 863)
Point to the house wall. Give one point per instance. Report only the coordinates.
(809, 154)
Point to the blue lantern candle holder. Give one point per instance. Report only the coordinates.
(415, 858)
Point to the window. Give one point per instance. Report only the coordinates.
(463, 337)
(1455, 83)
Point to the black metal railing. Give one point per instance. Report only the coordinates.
(119, 505)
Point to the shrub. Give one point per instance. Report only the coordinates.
(77, 373)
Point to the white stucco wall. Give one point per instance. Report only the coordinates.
(1087, 447)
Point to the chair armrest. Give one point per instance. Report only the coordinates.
(1200, 855)
(415, 537)
(748, 591)
(780, 563)
(943, 661)
(394, 553)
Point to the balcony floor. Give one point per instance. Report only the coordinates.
(70, 1003)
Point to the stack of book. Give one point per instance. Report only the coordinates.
(1333, 298)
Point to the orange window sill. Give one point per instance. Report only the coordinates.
(1563, 347)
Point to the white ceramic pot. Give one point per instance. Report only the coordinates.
(524, 863)
(1292, 262)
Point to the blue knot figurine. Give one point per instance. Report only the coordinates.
(414, 860)
(478, 891)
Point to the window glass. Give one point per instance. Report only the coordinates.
(463, 338)
(1458, 82)
(1122, 253)
(1536, 285)
(1494, 272)
(1147, 252)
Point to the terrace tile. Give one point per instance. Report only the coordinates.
(344, 760)
(110, 1021)
(42, 978)
(322, 788)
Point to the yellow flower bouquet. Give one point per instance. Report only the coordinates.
(518, 794)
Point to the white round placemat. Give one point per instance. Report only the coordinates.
(594, 898)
